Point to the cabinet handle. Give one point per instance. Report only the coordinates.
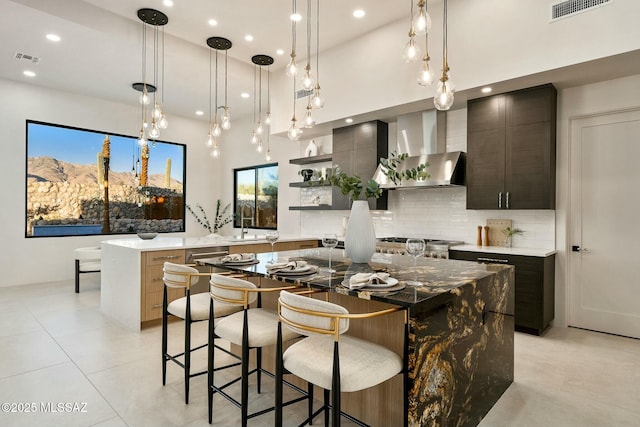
(155, 258)
(507, 200)
(157, 279)
(503, 261)
(500, 200)
(156, 306)
(207, 254)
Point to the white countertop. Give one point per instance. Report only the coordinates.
(537, 252)
(167, 243)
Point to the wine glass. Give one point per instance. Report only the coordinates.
(330, 241)
(272, 237)
(416, 248)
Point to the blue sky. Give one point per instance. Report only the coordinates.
(82, 147)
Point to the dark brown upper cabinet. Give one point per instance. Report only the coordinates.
(511, 150)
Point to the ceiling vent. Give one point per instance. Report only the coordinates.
(25, 57)
(303, 93)
(571, 7)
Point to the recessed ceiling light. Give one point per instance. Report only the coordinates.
(486, 89)
(296, 17)
(349, 120)
(213, 22)
(199, 113)
(53, 37)
(168, 3)
(248, 38)
(280, 51)
(29, 73)
(358, 13)
(244, 95)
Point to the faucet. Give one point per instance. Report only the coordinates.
(243, 231)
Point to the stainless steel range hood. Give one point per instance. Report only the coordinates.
(422, 136)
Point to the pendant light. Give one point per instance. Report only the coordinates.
(267, 118)
(215, 130)
(294, 131)
(307, 80)
(443, 100)
(422, 20)
(158, 119)
(411, 50)
(425, 76)
(317, 100)
(259, 62)
(226, 117)
(292, 68)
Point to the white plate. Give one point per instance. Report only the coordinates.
(307, 269)
(241, 262)
(391, 282)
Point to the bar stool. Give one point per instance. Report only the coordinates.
(253, 328)
(191, 309)
(329, 359)
(87, 260)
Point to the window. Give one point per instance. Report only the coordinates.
(256, 196)
(71, 190)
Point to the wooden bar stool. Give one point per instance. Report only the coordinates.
(191, 309)
(253, 328)
(327, 358)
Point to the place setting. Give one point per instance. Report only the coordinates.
(373, 282)
(238, 259)
(291, 268)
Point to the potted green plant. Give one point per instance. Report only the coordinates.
(510, 232)
(221, 219)
(390, 169)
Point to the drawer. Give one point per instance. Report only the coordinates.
(160, 257)
(153, 303)
(153, 278)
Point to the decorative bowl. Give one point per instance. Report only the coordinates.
(147, 236)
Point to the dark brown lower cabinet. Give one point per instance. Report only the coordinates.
(535, 286)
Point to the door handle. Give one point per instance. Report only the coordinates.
(500, 200)
(576, 248)
(507, 200)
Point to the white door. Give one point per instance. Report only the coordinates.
(604, 275)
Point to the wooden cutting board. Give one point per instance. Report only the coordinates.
(496, 237)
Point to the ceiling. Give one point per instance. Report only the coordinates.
(100, 51)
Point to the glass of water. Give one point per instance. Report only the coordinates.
(330, 241)
(415, 248)
(272, 237)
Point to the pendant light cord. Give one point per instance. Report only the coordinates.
(318, 41)
(210, 116)
(216, 90)
(308, 33)
(226, 57)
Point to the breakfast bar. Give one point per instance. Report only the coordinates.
(461, 326)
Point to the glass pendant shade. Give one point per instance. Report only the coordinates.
(163, 123)
(154, 132)
(444, 96)
(411, 51)
(267, 119)
(254, 138)
(294, 133)
(292, 68)
(142, 141)
(226, 119)
(259, 128)
(268, 156)
(307, 80)
(317, 100)
(156, 111)
(217, 131)
(422, 22)
(308, 120)
(144, 99)
(259, 147)
(210, 140)
(425, 76)
(215, 153)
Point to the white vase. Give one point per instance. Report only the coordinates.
(312, 149)
(360, 240)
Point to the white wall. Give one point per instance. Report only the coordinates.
(50, 259)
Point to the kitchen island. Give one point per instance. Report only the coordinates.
(131, 278)
(461, 326)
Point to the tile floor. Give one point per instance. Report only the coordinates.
(58, 347)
